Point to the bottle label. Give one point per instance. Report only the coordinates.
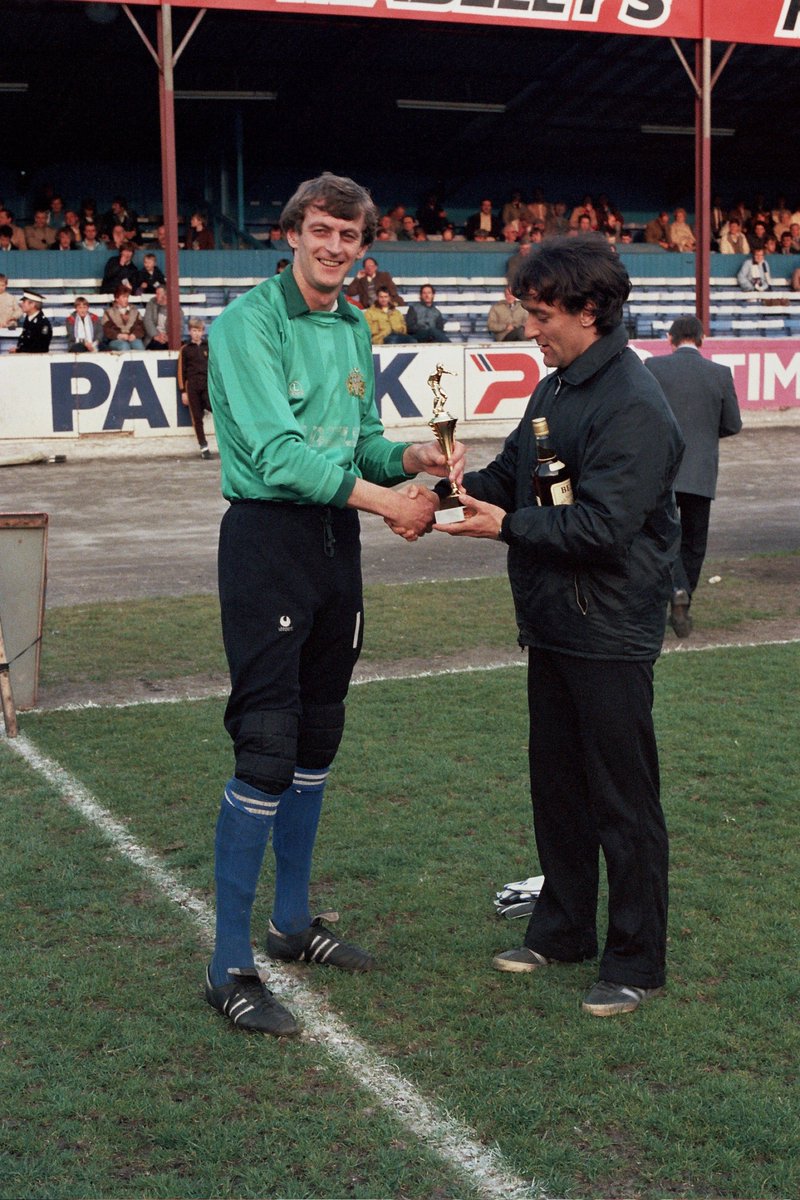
(562, 492)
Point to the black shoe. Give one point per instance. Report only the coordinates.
(205, 452)
(317, 944)
(611, 999)
(250, 1005)
(679, 617)
(520, 959)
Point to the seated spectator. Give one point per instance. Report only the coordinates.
(123, 328)
(587, 206)
(484, 226)
(17, 234)
(396, 215)
(39, 235)
(198, 237)
(385, 231)
(120, 214)
(420, 235)
(84, 329)
(116, 239)
(538, 209)
(386, 323)
(10, 311)
(90, 240)
(431, 217)
(506, 319)
(781, 222)
(63, 240)
(584, 228)
(281, 265)
(557, 224)
(73, 224)
(754, 274)
(121, 270)
(161, 235)
(150, 277)
(757, 237)
(6, 239)
(609, 218)
(37, 331)
(364, 285)
(87, 211)
(516, 230)
(681, 235)
(155, 320)
(770, 245)
(732, 240)
(514, 209)
(423, 320)
(763, 216)
(408, 229)
(449, 234)
(55, 216)
(794, 230)
(784, 245)
(193, 380)
(718, 219)
(656, 232)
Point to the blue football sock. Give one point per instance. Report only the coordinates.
(293, 842)
(246, 817)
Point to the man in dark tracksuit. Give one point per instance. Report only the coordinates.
(590, 582)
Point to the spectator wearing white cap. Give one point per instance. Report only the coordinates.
(36, 330)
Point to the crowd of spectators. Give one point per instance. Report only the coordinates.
(53, 226)
(130, 268)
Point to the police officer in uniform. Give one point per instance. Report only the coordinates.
(36, 330)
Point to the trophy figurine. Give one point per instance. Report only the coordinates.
(444, 428)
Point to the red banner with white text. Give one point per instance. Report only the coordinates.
(770, 22)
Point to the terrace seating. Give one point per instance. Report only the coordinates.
(464, 302)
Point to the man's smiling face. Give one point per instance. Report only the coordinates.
(325, 249)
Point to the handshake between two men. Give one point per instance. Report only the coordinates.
(414, 511)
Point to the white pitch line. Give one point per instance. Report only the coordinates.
(482, 1167)
(388, 677)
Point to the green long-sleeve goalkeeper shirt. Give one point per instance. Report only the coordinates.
(293, 397)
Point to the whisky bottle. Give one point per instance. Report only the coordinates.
(551, 481)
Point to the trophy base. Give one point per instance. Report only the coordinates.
(450, 514)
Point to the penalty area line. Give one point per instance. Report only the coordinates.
(453, 1142)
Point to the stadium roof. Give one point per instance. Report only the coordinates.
(570, 103)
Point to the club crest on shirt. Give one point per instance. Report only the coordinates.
(356, 384)
(296, 390)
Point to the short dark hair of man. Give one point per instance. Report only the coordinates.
(337, 195)
(6, 231)
(427, 285)
(686, 329)
(576, 273)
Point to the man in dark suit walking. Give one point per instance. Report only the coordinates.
(702, 396)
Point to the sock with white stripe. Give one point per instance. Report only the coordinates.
(246, 817)
(293, 842)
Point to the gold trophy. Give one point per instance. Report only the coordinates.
(444, 428)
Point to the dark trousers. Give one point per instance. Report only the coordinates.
(595, 788)
(198, 405)
(694, 512)
(292, 611)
